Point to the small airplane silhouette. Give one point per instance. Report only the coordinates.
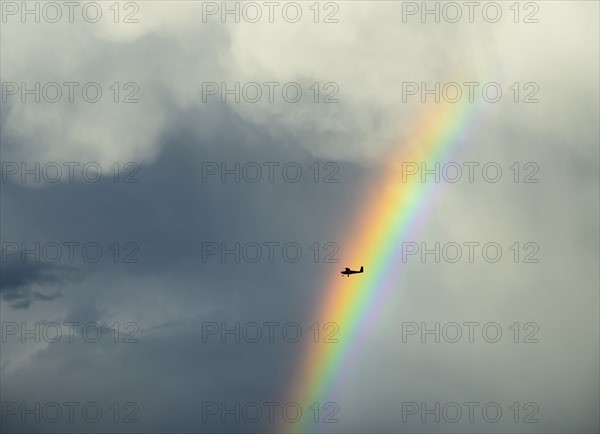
(348, 271)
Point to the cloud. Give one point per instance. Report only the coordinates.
(170, 53)
(22, 283)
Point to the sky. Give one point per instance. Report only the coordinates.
(182, 182)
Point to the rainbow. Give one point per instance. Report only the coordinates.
(393, 213)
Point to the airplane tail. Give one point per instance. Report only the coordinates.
(362, 269)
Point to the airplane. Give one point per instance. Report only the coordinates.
(348, 271)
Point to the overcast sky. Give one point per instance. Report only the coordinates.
(140, 247)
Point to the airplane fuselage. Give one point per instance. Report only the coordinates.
(348, 271)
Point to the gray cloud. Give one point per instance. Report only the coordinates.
(20, 281)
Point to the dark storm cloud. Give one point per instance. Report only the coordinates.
(18, 280)
(170, 213)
